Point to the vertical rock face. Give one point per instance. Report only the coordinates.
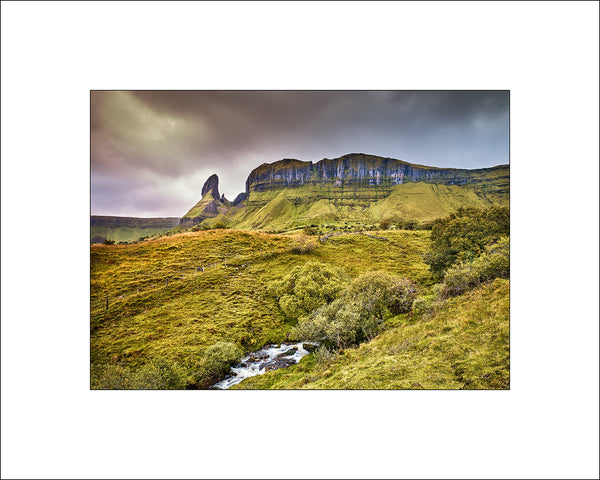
(354, 168)
(212, 186)
(351, 186)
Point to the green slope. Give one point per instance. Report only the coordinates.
(463, 345)
(356, 188)
(290, 208)
(128, 229)
(147, 320)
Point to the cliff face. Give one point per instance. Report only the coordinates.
(353, 188)
(353, 169)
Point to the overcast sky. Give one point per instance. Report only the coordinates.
(152, 151)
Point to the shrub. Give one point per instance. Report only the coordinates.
(159, 375)
(108, 241)
(310, 230)
(358, 314)
(307, 287)
(494, 262)
(384, 225)
(156, 375)
(219, 225)
(219, 357)
(407, 225)
(424, 304)
(337, 324)
(463, 235)
(303, 244)
(380, 291)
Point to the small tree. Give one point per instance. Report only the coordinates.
(307, 287)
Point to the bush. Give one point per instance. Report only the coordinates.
(156, 375)
(359, 313)
(380, 291)
(384, 225)
(407, 225)
(307, 287)
(108, 241)
(463, 235)
(303, 244)
(494, 262)
(337, 324)
(425, 304)
(310, 230)
(219, 225)
(219, 358)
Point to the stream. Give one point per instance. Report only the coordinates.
(270, 357)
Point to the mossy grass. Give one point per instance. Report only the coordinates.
(216, 289)
(463, 344)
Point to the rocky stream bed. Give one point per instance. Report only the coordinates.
(270, 357)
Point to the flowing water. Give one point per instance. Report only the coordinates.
(270, 357)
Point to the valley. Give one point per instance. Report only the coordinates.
(399, 273)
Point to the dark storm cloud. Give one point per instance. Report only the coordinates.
(153, 150)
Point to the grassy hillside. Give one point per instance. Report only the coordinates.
(175, 312)
(149, 320)
(463, 344)
(290, 208)
(128, 229)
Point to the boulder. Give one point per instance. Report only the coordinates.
(288, 353)
(309, 347)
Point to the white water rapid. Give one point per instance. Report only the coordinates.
(268, 358)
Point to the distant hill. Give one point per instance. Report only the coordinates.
(128, 229)
(357, 188)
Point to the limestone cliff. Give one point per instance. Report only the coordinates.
(355, 187)
(353, 169)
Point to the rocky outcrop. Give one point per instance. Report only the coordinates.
(211, 204)
(355, 187)
(353, 169)
(240, 198)
(211, 186)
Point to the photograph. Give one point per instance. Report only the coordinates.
(226, 224)
(300, 239)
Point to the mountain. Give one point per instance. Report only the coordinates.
(357, 188)
(127, 229)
